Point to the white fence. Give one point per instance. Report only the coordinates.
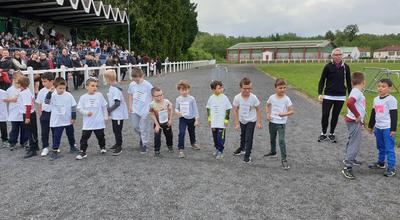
(318, 61)
(167, 68)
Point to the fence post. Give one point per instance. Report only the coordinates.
(130, 71)
(63, 72)
(31, 80)
(86, 73)
(166, 67)
(148, 69)
(174, 64)
(119, 73)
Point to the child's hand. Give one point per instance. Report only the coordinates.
(358, 119)
(237, 127)
(27, 121)
(369, 130)
(89, 114)
(282, 114)
(13, 99)
(179, 114)
(157, 128)
(269, 117)
(196, 123)
(170, 123)
(259, 125)
(320, 98)
(130, 110)
(393, 134)
(72, 121)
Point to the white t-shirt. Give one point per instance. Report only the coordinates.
(382, 111)
(26, 98)
(41, 98)
(13, 110)
(95, 104)
(246, 108)
(141, 94)
(120, 113)
(360, 104)
(61, 109)
(279, 105)
(218, 106)
(3, 106)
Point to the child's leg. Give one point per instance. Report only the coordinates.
(135, 119)
(144, 125)
(273, 130)
(3, 128)
(191, 130)
(353, 145)
(14, 133)
(34, 131)
(117, 130)
(215, 137)
(157, 140)
(71, 136)
(84, 139)
(45, 128)
(168, 135)
(282, 144)
(389, 149)
(57, 137)
(23, 137)
(243, 128)
(380, 144)
(182, 131)
(250, 126)
(100, 138)
(220, 139)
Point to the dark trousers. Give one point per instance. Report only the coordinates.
(274, 130)
(86, 135)
(17, 127)
(3, 128)
(57, 133)
(31, 132)
(117, 126)
(167, 130)
(78, 79)
(246, 137)
(183, 123)
(45, 128)
(327, 106)
(219, 138)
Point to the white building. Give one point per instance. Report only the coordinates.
(350, 53)
(364, 53)
(389, 52)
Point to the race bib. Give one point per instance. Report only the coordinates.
(139, 96)
(244, 111)
(60, 109)
(91, 103)
(275, 112)
(184, 108)
(163, 116)
(217, 113)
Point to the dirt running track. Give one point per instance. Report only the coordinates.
(134, 186)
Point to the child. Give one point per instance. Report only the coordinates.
(44, 110)
(14, 115)
(139, 92)
(218, 109)
(188, 114)
(161, 113)
(117, 109)
(246, 111)
(26, 105)
(3, 118)
(384, 119)
(354, 121)
(93, 107)
(279, 107)
(63, 116)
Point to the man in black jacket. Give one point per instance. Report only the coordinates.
(336, 79)
(5, 66)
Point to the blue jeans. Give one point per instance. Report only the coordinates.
(183, 123)
(45, 128)
(17, 128)
(57, 133)
(219, 138)
(385, 145)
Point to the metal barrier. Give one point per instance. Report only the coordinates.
(167, 68)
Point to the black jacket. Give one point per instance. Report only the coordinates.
(333, 79)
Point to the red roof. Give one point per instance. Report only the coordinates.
(390, 48)
(363, 49)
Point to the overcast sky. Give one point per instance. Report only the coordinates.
(304, 17)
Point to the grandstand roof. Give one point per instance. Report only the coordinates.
(65, 12)
(281, 44)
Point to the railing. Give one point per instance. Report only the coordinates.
(377, 60)
(167, 68)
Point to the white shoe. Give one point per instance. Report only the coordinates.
(45, 152)
(103, 151)
(80, 156)
(181, 154)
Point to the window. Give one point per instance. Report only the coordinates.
(391, 53)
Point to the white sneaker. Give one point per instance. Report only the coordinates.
(81, 156)
(181, 154)
(103, 151)
(45, 152)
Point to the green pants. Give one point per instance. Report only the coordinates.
(279, 129)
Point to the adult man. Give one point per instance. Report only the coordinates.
(334, 78)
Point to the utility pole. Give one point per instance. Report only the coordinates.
(129, 28)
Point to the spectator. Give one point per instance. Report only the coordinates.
(77, 76)
(40, 32)
(5, 66)
(18, 63)
(131, 58)
(158, 66)
(44, 63)
(50, 60)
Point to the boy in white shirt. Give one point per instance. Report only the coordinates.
(247, 113)
(3, 118)
(218, 110)
(161, 111)
(14, 115)
(26, 103)
(279, 107)
(63, 116)
(93, 107)
(354, 121)
(383, 121)
(188, 113)
(139, 99)
(117, 109)
(44, 110)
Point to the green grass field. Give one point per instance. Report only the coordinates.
(305, 77)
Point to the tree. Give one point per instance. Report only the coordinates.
(350, 32)
(329, 35)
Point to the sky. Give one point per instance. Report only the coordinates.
(303, 17)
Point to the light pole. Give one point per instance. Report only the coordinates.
(129, 29)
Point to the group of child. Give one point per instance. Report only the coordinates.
(57, 109)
